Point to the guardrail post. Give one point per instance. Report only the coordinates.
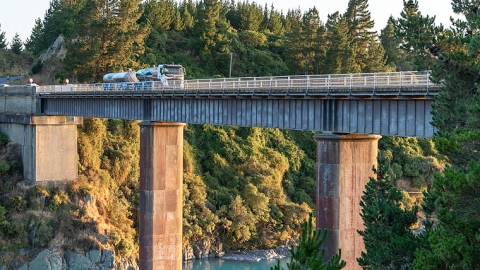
(428, 82)
(351, 80)
(308, 84)
(288, 85)
(270, 91)
(401, 84)
(328, 86)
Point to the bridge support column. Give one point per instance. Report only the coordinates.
(48, 145)
(161, 185)
(344, 165)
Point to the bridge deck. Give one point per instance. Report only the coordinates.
(371, 85)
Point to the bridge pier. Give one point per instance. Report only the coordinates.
(161, 201)
(49, 146)
(344, 165)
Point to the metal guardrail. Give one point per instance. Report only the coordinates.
(388, 83)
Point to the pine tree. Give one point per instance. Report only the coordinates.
(308, 254)
(186, 14)
(314, 40)
(58, 19)
(395, 56)
(160, 14)
(108, 39)
(251, 16)
(454, 58)
(413, 31)
(211, 36)
(360, 25)
(389, 242)
(3, 39)
(31, 44)
(342, 52)
(294, 41)
(16, 46)
(275, 24)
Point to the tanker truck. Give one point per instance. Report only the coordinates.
(161, 76)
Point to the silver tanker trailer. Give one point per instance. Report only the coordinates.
(161, 76)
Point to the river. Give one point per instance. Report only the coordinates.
(219, 264)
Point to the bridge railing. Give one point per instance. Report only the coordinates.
(388, 83)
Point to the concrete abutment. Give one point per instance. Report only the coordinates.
(49, 146)
(344, 165)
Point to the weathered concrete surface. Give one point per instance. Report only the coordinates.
(49, 146)
(344, 165)
(19, 100)
(161, 185)
(49, 143)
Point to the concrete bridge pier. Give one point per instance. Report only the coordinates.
(48, 146)
(161, 201)
(344, 165)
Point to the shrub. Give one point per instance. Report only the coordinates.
(3, 139)
(4, 167)
(17, 203)
(43, 234)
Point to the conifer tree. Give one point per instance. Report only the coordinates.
(308, 254)
(274, 23)
(314, 40)
(3, 39)
(294, 42)
(251, 16)
(342, 52)
(32, 43)
(389, 242)
(414, 31)
(16, 46)
(211, 36)
(186, 14)
(108, 39)
(395, 56)
(360, 25)
(454, 58)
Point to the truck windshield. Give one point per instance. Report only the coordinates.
(173, 70)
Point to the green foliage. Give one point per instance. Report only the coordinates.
(4, 167)
(308, 254)
(109, 161)
(452, 55)
(3, 139)
(43, 233)
(3, 40)
(112, 40)
(17, 202)
(414, 159)
(455, 242)
(37, 67)
(244, 170)
(16, 46)
(389, 242)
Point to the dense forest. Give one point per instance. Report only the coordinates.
(247, 188)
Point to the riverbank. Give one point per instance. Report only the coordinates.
(257, 255)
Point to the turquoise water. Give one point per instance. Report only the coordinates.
(219, 264)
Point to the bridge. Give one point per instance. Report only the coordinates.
(351, 110)
(378, 103)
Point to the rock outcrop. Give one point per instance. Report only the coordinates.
(53, 259)
(57, 49)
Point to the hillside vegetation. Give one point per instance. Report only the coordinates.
(244, 188)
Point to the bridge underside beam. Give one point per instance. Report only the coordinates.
(344, 165)
(161, 185)
(389, 117)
